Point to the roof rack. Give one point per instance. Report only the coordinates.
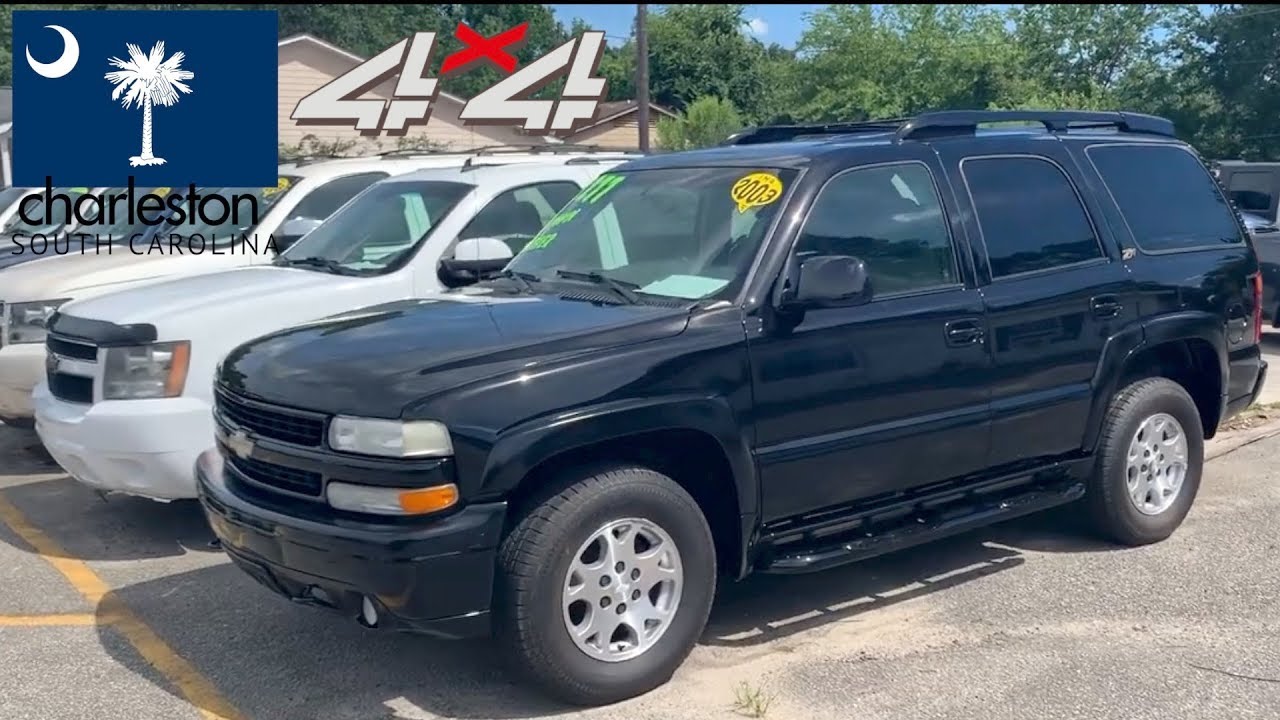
(958, 122)
(783, 133)
(310, 159)
(955, 122)
(415, 152)
(538, 148)
(472, 163)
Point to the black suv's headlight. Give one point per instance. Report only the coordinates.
(390, 438)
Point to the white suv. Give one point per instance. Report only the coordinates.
(307, 192)
(126, 405)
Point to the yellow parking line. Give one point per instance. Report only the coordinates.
(195, 687)
(51, 620)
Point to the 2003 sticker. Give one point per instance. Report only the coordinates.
(756, 189)
(281, 185)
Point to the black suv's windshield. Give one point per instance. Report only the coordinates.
(378, 228)
(688, 233)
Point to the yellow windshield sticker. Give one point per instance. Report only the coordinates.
(281, 185)
(80, 191)
(756, 189)
(163, 192)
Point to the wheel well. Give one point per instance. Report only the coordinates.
(1193, 364)
(690, 457)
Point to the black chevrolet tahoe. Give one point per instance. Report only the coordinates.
(806, 347)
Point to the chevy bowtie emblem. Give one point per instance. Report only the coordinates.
(240, 444)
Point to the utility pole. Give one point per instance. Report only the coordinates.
(642, 77)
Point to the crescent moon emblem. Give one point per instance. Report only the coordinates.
(64, 64)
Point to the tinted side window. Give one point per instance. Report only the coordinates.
(320, 203)
(1251, 191)
(515, 216)
(1168, 198)
(1030, 216)
(890, 218)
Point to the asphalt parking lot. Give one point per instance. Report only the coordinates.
(118, 608)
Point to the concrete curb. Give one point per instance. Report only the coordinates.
(1228, 442)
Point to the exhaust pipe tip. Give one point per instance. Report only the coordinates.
(368, 614)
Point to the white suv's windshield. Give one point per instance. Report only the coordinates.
(230, 228)
(378, 229)
(57, 218)
(687, 233)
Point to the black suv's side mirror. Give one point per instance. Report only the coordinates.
(831, 281)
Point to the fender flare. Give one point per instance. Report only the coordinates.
(521, 448)
(1134, 339)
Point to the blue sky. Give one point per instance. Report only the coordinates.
(782, 24)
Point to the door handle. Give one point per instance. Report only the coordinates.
(1105, 306)
(964, 332)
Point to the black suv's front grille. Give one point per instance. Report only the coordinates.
(278, 477)
(268, 421)
(71, 367)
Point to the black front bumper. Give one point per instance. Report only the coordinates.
(434, 578)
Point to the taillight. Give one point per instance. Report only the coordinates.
(1257, 308)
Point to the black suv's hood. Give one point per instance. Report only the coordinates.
(377, 361)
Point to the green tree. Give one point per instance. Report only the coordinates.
(705, 123)
(1090, 51)
(862, 61)
(1231, 78)
(699, 50)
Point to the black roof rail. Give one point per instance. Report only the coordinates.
(537, 148)
(956, 122)
(310, 159)
(783, 133)
(413, 152)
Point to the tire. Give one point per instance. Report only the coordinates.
(1112, 510)
(534, 563)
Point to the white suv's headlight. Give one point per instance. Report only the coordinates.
(28, 321)
(158, 370)
(390, 438)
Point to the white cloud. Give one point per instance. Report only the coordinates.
(757, 26)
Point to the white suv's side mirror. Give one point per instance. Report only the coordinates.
(294, 229)
(473, 259)
(481, 248)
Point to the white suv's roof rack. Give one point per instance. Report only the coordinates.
(486, 155)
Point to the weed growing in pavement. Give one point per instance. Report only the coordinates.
(751, 701)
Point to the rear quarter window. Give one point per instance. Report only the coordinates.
(1167, 197)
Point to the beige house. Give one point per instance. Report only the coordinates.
(307, 63)
(617, 126)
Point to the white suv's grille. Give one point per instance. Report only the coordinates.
(72, 365)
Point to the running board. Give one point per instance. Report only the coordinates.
(911, 521)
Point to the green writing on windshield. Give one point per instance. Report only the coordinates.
(561, 218)
(540, 241)
(599, 188)
(545, 237)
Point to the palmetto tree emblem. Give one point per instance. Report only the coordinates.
(146, 81)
